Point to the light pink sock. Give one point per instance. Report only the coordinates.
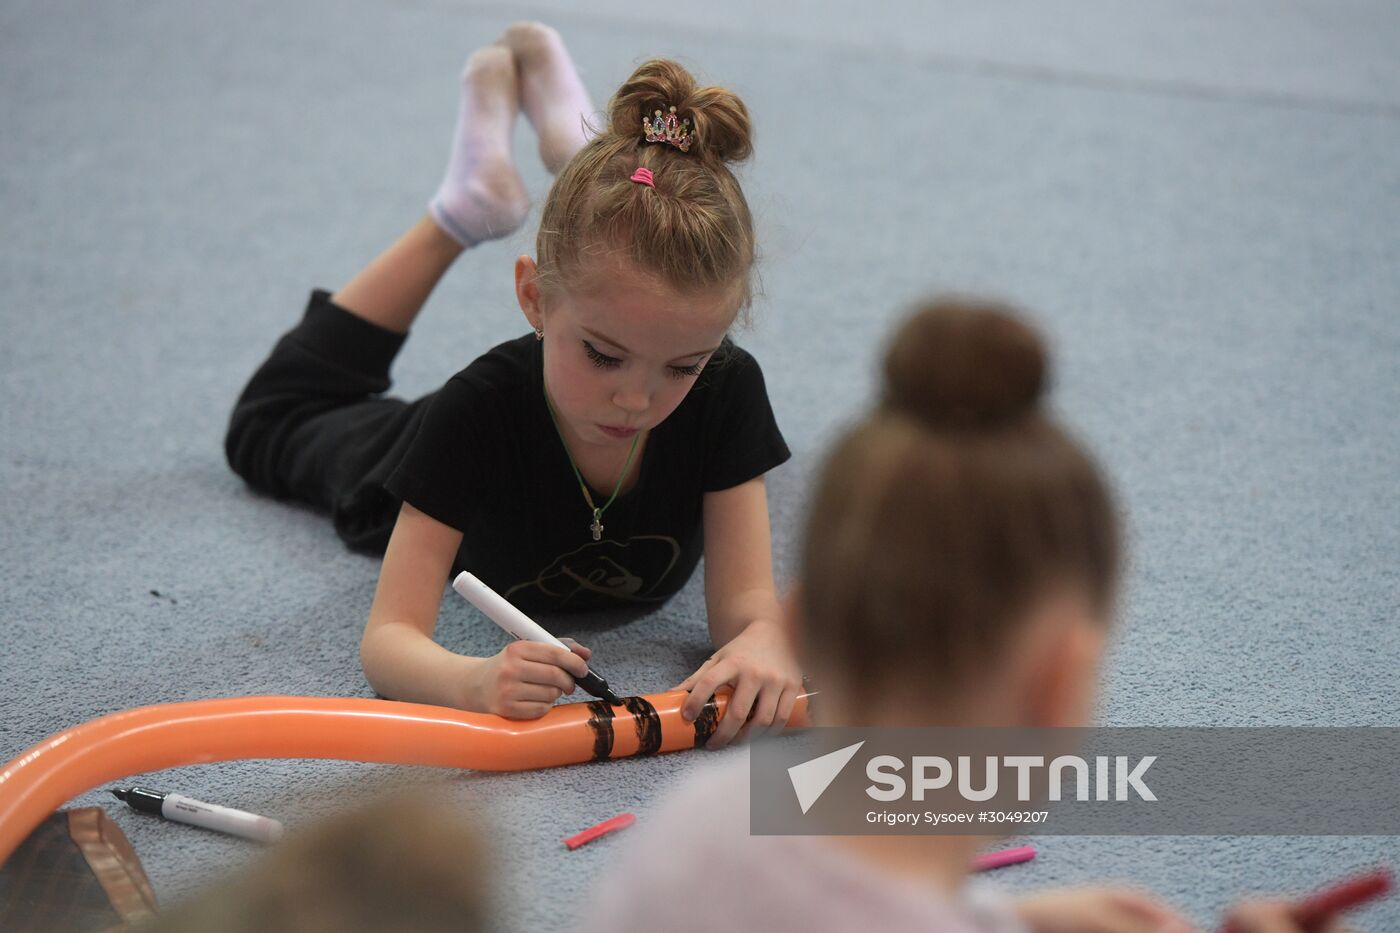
(482, 196)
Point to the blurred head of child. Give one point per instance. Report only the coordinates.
(410, 862)
(958, 568)
(961, 555)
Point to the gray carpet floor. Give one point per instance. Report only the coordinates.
(1197, 201)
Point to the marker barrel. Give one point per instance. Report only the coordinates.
(182, 809)
(498, 610)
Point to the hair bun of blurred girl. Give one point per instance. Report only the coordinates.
(960, 363)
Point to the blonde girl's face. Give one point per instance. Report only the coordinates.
(621, 349)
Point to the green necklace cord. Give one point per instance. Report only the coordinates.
(597, 526)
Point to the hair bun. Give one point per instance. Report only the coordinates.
(719, 121)
(963, 363)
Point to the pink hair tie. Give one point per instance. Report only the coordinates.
(643, 176)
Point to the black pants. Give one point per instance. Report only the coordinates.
(313, 424)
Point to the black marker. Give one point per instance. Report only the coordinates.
(184, 809)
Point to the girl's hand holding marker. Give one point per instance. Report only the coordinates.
(525, 678)
(535, 669)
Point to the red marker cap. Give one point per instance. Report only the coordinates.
(621, 821)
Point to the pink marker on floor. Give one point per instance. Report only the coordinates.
(990, 860)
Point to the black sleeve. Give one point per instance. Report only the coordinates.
(442, 465)
(742, 439)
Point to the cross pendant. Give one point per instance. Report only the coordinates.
(597, 529)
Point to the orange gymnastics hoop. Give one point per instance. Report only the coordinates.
(152, 738)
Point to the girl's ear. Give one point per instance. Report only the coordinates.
(527, 291)
(1062, 688)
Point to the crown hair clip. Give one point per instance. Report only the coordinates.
(668, 128)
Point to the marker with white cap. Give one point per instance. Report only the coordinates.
(182, 809)
(523, 627)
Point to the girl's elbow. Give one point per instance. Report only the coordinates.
(372, 659)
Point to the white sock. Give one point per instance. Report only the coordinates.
(551, 92)
(482, 196)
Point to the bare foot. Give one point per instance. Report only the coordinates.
(482, 196)
(551, 91)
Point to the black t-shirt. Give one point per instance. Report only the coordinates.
(488, 461)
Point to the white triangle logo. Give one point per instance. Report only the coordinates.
(811, 778)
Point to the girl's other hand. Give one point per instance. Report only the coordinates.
(524, 679)
(1270, 916)
(760, 666)
(1099, 910)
